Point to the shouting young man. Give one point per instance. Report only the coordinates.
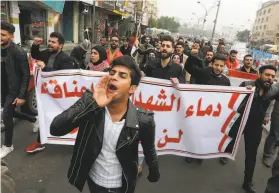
(110, 128)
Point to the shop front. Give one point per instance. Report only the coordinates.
(5, 16)
(32, 22)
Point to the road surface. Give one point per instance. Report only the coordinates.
(45, 172)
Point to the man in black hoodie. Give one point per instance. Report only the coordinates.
(211, 75)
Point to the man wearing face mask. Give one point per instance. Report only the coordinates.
(247, 67)
(113, 52)
(264, 93)
(53, 58)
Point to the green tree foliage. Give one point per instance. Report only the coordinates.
(165, 22)
(243, 36)
(153, 23)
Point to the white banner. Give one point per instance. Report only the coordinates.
(191, 120)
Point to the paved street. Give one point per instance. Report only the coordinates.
(46, 172)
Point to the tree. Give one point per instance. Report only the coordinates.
(243, 36)
(152, 23)
(168, 23)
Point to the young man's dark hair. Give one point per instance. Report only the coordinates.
(211, 51)
(180, 44)
(108, 118)
(113, 36)
(180, 39)
(130, 63)
(233, 52)
(218, 57)
(247, 55)
(103, 37)
(168, 38)
(7, 27)
(59, 36)
(265, 67)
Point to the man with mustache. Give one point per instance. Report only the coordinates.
(265, 92)
(113, 52)
(208, 58)
(51, 59)
(164, 68)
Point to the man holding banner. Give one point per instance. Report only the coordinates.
(110, 128)
(265, 92)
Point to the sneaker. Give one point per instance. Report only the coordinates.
(6, 150)
(223, 160)
(36, 126)
(35, 147)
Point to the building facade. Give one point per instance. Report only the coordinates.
(266, 25)
(74, 19)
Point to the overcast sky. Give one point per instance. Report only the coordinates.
(234, 13)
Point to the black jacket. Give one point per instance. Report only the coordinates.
(273, 181)
(125, 51)
(90, 118)
(252, 71)
(62, 60)
(204, 75)
(17, 69)
(78, 55)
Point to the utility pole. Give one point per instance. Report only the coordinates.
(215, 22)
(93, 24)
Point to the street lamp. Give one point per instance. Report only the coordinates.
(206, 13)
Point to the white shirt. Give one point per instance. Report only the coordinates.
(106, 170)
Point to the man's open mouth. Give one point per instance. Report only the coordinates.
(112, 87)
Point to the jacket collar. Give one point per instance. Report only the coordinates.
(132, 119)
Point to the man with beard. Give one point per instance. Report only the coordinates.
(113, 52)
(232, 62)
(179, 49)
(247, 67)
(143, 51)
(103, 42)
(15, 77)
(208, 58)
(264, 93)
(107, 157)
(211, 75)
(164, 68)
(51, 59)
(126, 49)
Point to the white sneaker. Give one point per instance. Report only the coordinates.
(5, 151)
(36, 126)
